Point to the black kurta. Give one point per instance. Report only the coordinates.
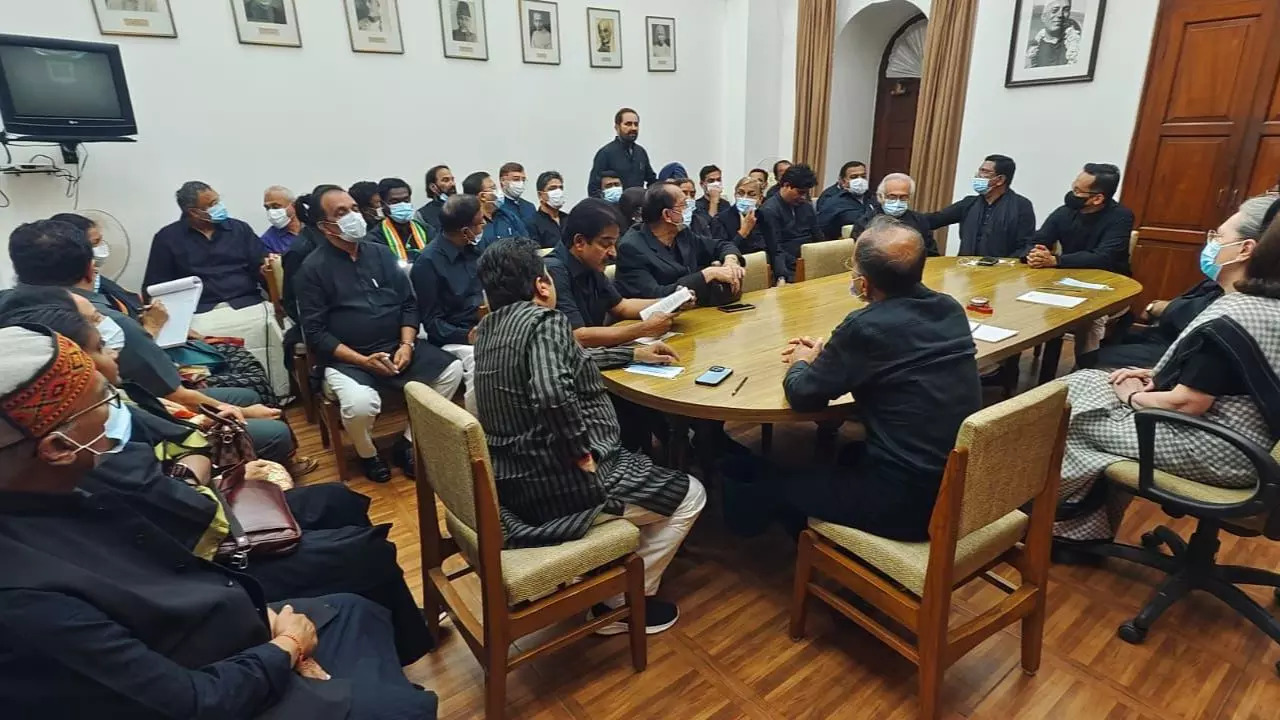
(1097, 240)
(790, 226)
(649, 269)
(628, 159)
(1000, 229)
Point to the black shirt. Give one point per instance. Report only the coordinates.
(790, 225)
(584, 295)
(728, 225)
(141, 360)
(429, 215)
(1089, 240)
(298, 251)
(545, 230)
(448, 288)
(703, 205)
(1000, 229)
(359, 303)
(838, 207)
(910, 363)
(628, 159)
(229, 263)
(649, 269)
(921, 224)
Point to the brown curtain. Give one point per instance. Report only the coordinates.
(943, 84)
(815, 40)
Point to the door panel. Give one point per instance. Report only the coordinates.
(1205, 81)
(1176, 176)
(1165, 269)
(1266, 167)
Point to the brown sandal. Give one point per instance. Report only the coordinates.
(302, 465)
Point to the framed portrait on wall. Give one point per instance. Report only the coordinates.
(660, 37)
(604, 36)
(540, 32)
(152, 18)
(267, 22)
(1054, 41)
(374, 26)
(462, 23)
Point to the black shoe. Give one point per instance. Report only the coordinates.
(375, 469)
(402, 456)
(659, 615)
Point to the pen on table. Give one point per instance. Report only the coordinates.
(744, 382)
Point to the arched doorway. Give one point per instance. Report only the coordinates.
(897, 95)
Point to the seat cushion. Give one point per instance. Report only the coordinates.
(907, 562)
(530, 573)
(1125, 472)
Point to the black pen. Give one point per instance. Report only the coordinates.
(744, 382)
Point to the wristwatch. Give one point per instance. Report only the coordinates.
(1149, 307)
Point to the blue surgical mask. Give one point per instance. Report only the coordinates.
(1209, 258)
(895, 207)
(112, 334)
(500, 200)
(613, 194)
(687, 217)
(745, 205)
(218, 213)
(401, 212)
(981, 185)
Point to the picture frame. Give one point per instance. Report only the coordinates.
(539, 32)
(141, 18)
(374, 26)
(604, 37)
(463, 29)
(660, 43)
(267, 22)
(1039, 55)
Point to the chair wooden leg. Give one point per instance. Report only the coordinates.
(931, 643)
(1033, 635)
(495, 678)
(301, 377)
(800, 590)
(333, 427)
(431, 607)
(635, 622)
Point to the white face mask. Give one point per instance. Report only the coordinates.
(353, 227)
(716, 186)
(112, 334)
(278, 217)
(514, 189)
(857, 186)
(555, 198)
(101, 251)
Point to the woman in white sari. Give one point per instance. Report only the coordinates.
(1222, 368)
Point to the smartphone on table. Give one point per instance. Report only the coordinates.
(714, 375)
(736, 307)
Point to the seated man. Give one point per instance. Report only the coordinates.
(440, 185)
(399, 230)
(630, 205)
(699, 222)
(361, 321)
(118, 297)
(761, 176)
(738, 221)
(611, 186)
(908, 358)
(788, 215)
(499, 222)
(278, 201)
(511, 179)
(895, 193)
(712, 200)
(549, 221)
(848, 202)
(228, 257)
(1090, 230)
(447, 287)
(553, 433)
(995, 221)
(365, 193)
(780, 168)
(662, 254)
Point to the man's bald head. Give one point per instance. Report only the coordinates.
(890, 256)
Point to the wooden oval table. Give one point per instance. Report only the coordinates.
(751, 342)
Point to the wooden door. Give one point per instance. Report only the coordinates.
(895, 126)
(1198, 110)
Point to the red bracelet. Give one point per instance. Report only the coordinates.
(298, 643)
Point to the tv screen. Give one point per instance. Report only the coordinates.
(63, 89)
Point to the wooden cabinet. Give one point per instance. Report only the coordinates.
(1208, 132)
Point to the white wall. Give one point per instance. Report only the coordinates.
(242, 117)
(1053, 130)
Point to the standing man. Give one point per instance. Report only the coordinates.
(848, 202)
(360, 319)
(440, 185)
(789, 217)
(895, 193)
(511, 177)
(712, 200)
(500, 221)
(995, 221)
(549, 221)
(558, 464)
(623, 155)
(285, 225)
(399, 230)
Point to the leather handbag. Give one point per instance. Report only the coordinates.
(229, 441)
(259, 517)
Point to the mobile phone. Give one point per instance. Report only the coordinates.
(714, 376)
(737, 307)
(988, 261)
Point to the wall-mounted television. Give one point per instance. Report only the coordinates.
(63, 90)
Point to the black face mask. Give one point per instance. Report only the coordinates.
(1074, 201)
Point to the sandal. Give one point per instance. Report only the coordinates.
(302, 465)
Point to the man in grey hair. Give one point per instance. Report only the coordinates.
(895, 194)
(285, 226)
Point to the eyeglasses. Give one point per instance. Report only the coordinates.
(112, 399)
(1213, 236)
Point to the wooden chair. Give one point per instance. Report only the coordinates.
(820, 259)
(523, 590)
(759, 275)
(976, 525)
(301, 363)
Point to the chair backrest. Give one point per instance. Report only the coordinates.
(847, 231)
(1011, 446)
(609, 270)
(758, 275)
(825, 258)
(273, 276)
(449, 441)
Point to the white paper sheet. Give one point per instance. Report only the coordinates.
(652, 340)
(1074, 283)
(668, 304)
(662, 371)
(1053, 299)
(180, 298)
(992, 334)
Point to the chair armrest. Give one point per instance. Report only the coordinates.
(1265, 497)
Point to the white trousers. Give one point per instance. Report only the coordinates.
(263, 337)
(361, 404)
(660, 536)
(467, 355)
(1089, 335)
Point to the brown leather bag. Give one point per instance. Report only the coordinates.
(260, 520)
(229, 441)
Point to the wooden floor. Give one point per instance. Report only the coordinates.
(730, 656)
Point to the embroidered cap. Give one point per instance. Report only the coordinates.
(41, 378)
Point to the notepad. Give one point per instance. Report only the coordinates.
(662, 371)
(180, 298)
(1044, 298)
(652, 340)
(992, 334)
(668, 304)
(1074, 283)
